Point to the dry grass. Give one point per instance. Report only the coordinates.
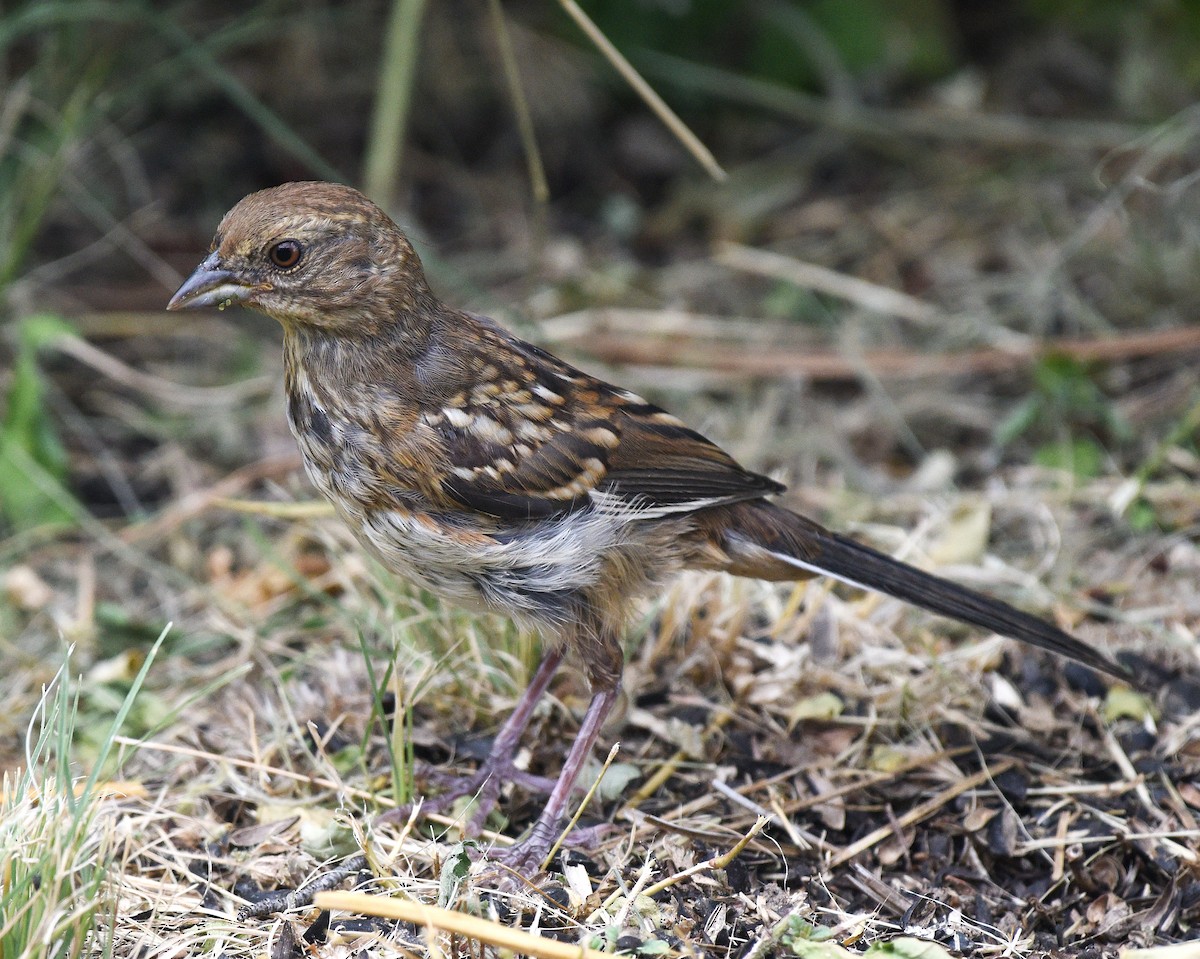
(895, 799)
(913, 777)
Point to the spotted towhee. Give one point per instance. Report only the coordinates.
(499, 477)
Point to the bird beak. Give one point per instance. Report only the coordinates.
(210, 285)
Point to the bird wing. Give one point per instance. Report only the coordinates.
(544, 438)
(669, 467)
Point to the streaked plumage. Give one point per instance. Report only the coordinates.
(498, 476)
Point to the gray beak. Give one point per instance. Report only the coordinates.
(209, 285)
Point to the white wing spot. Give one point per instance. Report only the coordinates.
(489, 430)
(601, 436)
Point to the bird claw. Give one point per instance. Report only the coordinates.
(484, 785)
(517, 866)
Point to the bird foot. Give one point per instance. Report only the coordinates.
(514, 867)
(521, 864)
(484, 786)
(503, 771)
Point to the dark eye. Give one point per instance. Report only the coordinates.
(285, 254)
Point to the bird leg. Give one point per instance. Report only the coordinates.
(498, 768)
(530, 851)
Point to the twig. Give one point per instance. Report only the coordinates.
(801, 838)
(919, 812)
(431, 917)
(811, 276)
(630, 347)
(1131, 775)
(512, 76)
(583, 804)
(717, 862)
(738, 799)
(656, 103)
(179, 393)
(1081, 838)
(1060, 848)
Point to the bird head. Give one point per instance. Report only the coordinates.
(310, 255)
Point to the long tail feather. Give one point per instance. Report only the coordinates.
(810, 549)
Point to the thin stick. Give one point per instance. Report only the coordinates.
(656, 103)
(717, 862)
(431, 917)
(919, 812)
(667, 769)
(1081, 838)
(612, 754)
(1131, 775)
(1060, 847)
(385, 144)
(178, 393)
(533, 158)
(632, 345)
(811, 276)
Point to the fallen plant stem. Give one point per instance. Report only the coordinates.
(632, 348)
(446, 920)
(307, 509)
(812, 276)
(717, 862)
(612, 754)
(669, 117)
(919, 812)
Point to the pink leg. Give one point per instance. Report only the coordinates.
(498, 767)
(530, 851)
(510, 733)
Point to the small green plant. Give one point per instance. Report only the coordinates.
(1067, 416)
(33, 463)
(398, 730)
(54, 851)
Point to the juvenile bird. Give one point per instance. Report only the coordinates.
(499, 477)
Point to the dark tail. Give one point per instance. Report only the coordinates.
(804, 545)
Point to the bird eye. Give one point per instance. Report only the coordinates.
(285, 254)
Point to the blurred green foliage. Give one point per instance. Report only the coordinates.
(1067, 416)
(33, 463)
(791, 43)
(44, 113)
(799, 43)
